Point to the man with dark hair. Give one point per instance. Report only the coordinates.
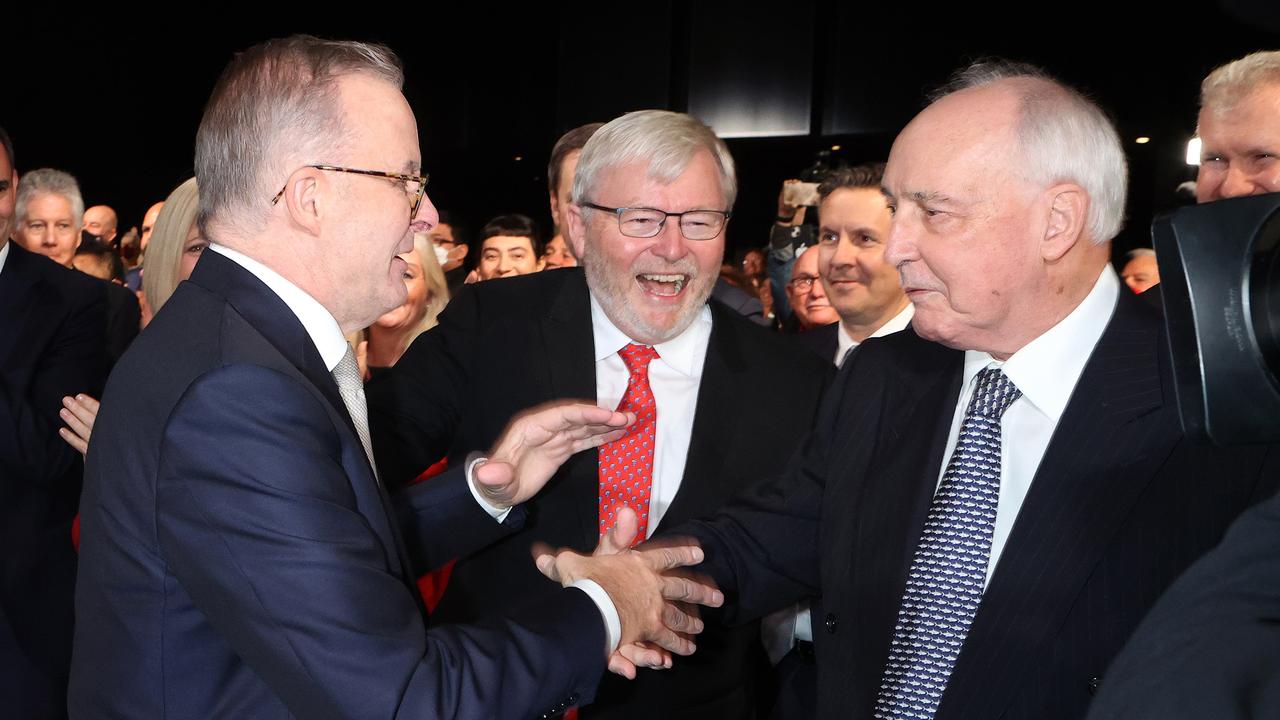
(564, 160)
(720, 399)
(853, 226)
(240, 554)
(52, 345)
(978, 504)
(509, 246)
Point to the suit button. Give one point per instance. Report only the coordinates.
(573, 700)
(1093, 685)
(831, 624)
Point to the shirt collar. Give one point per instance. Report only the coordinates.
(898, 322)
(4, 253)
(1046, 369)
(316, 320)
(679, 353)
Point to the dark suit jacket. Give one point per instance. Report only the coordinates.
(1210, 648)
(1121, 504)
(124, 320)
(506, 345)
(51, 345)
(822, 340)
(238, 558)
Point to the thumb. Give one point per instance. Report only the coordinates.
(493, 476)
(545, 559)
(622, 535)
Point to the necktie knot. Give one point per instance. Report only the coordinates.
(637, 357)
(347, 373)
(993, 393)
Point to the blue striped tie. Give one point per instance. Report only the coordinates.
(949, 570)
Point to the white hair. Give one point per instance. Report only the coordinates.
(667, 141)
(47, 181)
(1229, 84)
(1063, 136)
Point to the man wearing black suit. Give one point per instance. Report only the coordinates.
(51, 346)
(991, 500)
(651, 197)
(240, 557)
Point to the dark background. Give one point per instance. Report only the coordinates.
(115, 99)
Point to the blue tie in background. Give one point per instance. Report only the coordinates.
(949, 569)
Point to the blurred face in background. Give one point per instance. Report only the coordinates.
(557, 254)
(410, 313)
(507, 255)
(807, 296)
(192, 247)
(50, 228)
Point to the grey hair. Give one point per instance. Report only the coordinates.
(1062, 136)
(1140, 252)
(667, 141)
(275, 103)
(1229, 84)
(168, 237)
(47, 181)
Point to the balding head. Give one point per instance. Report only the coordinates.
(149, 225)
(100, 220)
(1005, 190)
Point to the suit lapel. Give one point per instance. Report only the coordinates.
(715, 421)
(891, 504)
(18, 306)
(1109, 443)
(271, 317)
(570, 354)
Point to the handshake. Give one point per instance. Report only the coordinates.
(656, 605)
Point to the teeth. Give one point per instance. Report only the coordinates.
(677, 280)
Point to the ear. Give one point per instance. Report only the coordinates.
(1068, 211)
(575, 229)
(555, 213)
(304, 199)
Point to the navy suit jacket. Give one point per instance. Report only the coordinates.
(1121, 504)
(52, 341)
(239, 559)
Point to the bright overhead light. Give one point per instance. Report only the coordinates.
(1193, 151)
(835, 147)
(1143, 140)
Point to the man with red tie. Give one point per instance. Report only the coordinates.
(718, 399)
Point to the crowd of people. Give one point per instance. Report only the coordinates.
(289, 456)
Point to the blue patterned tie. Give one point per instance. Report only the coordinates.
(949, 569)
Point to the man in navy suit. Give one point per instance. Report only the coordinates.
(52, 345)
(992, 499)
(240, 557)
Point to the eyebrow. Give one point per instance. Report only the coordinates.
(412, 167)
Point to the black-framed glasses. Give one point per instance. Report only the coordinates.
(410, 181)
(802, 283)
(648, 222)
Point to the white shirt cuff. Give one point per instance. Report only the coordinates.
(499, 514)
(612, 623)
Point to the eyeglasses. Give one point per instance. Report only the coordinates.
(415, 186)
(648, 222)
(802, 283)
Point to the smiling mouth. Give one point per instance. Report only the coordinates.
(662, 285)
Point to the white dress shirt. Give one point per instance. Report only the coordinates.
(844, 343)
(674, 377)
(4, 254)
(324, 331)
(1046, 370)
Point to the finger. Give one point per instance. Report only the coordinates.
(581, 444)
(73, 422)
(620, 665)
(668, 557)
(619, 537)
(89, 403)
(644, 655)
(673, 641)
(691, 591)
(83, 413)
(676, 618)
(73, 440)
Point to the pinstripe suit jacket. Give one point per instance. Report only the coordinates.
(1121, 504)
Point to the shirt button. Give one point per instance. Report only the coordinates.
(831, 624)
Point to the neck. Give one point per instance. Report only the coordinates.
(858, 329)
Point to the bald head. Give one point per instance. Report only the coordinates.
(101, 220)
(149, 224)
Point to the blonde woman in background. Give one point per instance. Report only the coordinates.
(172, 252)
(389, 336)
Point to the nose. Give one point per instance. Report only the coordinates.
(900, 247)
(1238, 183)
(669, 243)
(845, 252)
(427, 216)
(817, 291)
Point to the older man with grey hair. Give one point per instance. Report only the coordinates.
(719, 399)
(241, 556)
(991, 499)
(1239, 128)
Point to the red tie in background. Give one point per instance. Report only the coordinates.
(626, 464)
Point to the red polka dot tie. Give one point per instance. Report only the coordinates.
(626, 464)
